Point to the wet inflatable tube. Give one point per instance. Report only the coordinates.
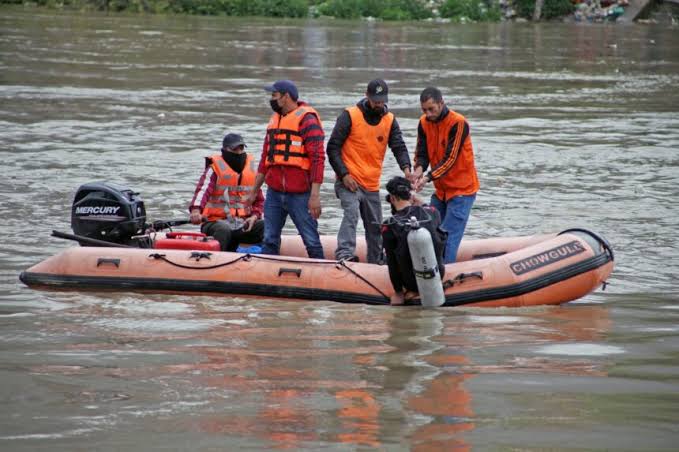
(519, 271)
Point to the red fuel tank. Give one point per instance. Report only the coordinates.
(187, 241)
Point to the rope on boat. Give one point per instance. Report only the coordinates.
(248, 257)
(343, 264)
(162, 257)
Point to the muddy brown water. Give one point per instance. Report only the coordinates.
(573, 125)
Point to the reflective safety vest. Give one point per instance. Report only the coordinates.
(230, 190)
(461, 178)
(285, 141)
(363, 150)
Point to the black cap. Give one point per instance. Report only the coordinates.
(378, 90)
(232, 140)
(400, 187)
(283, 87)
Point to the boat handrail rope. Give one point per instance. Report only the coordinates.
(338, 264)
(188, 267)
(604, 243)
(248, 256)
(343, 264)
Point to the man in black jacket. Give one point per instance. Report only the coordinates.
(395, 236)
(356, 151)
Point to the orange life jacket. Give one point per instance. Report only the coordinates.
(460, 178)
(363, 150)
(285, 141)
(237, 186)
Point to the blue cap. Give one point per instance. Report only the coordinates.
(283, 87)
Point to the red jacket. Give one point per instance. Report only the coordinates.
(291, 179)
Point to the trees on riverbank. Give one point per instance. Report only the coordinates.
(457, 10)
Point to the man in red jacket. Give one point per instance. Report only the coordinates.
(292, 166)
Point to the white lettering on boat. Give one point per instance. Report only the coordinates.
(547, 257)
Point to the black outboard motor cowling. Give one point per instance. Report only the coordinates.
(109, 212)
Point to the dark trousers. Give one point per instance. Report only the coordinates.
(230, 239)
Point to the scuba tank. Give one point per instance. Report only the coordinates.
(425, 265)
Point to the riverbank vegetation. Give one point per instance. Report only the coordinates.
(455, 10)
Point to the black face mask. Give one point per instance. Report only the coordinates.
(275, 107)
(235, 161)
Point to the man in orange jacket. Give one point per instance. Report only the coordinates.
(443, 140)
(356, 152)
(218, 202)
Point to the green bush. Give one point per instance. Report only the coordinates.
(342, 9)
(271, 8)
(550, 10)
(477, 10)
(387, 9)
(394, 14)
(281, 8)
(373, 8)
(413, 9)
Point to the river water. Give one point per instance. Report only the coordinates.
(573, 126)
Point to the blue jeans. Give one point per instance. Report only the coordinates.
(277, 206)
(454, 216)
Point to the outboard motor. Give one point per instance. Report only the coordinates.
(426, 267)
(109, 212)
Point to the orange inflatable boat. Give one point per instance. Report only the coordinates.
(511, 272)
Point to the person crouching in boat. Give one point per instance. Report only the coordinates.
(217, 203)
(404, 205)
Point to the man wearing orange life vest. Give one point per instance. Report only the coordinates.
(292, 167)
(356, 151)
(218, 200)
(443, 140)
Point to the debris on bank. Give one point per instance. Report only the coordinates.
(566, 10)
(599, 10)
